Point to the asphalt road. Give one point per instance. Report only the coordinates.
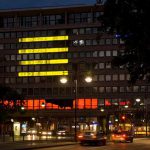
(138, 144)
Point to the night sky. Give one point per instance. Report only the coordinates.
(23, 4)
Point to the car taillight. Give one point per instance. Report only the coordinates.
(124, 135)
(80, 136)
(94, 136)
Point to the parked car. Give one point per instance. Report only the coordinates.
(91, 137)
(122, 136)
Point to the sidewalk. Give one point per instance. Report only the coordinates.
(25, 145)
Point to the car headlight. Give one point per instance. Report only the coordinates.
(33, 131)
(49, 133)
(44, 132)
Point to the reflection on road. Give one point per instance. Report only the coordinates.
(138, 144)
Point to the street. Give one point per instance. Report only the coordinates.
(138, 144)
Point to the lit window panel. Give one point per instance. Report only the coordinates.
(40, 39)
(43, 62)
(44, 73)
(43, 50)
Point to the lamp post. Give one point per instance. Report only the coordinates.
(64, 80)
(75, 110)
(138, 100)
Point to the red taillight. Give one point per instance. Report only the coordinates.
(124, 135)
(80, 136)
(94, 136)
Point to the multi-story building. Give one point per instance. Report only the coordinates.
(40, 45)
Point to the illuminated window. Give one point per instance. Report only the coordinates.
(107, 102)
(108, 77)
(122, 89)
(114, 52)
(121, 77)
(108, 65)
(95, 54)
(101, 89)
(115, 41)
(108, 53)
(101, 65)
(108, 41)
(94, 103)
(108, 89)
(101, 54)
(115, 77)
(114, 89)
(87, 103)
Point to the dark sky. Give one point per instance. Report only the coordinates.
(21, 4)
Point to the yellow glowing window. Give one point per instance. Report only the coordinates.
(43, 50)
(40, 39)
(43, 62)
(47, 73)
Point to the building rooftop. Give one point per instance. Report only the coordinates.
(30, 4)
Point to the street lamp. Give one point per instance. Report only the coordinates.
(64, 80)
(138, 100)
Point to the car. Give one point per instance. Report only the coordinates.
(45, 133)
(92, 137)
(122, 136)
(61, 132)
(32, 131)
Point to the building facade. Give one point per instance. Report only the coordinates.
(39, 46)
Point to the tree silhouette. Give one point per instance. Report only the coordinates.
(10, 103)
(128, 21)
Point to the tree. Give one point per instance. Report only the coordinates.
(10, 102)
(128, 21)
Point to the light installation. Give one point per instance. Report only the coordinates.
(40, 39)
(43, 62)
(42, 51)
(42, 73)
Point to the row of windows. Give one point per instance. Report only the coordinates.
(81, 103)
(87, 54)
(81, 90)
(84, 17)
(33, 33)
(115, 89)
(87, 42)
(113, 77)
(96, 78)
(30, 68)
(33, 21)
(77, 31)
(35, 68)
(102, 41)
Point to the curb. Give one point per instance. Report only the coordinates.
(45, 146)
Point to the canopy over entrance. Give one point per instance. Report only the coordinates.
(62, 102)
